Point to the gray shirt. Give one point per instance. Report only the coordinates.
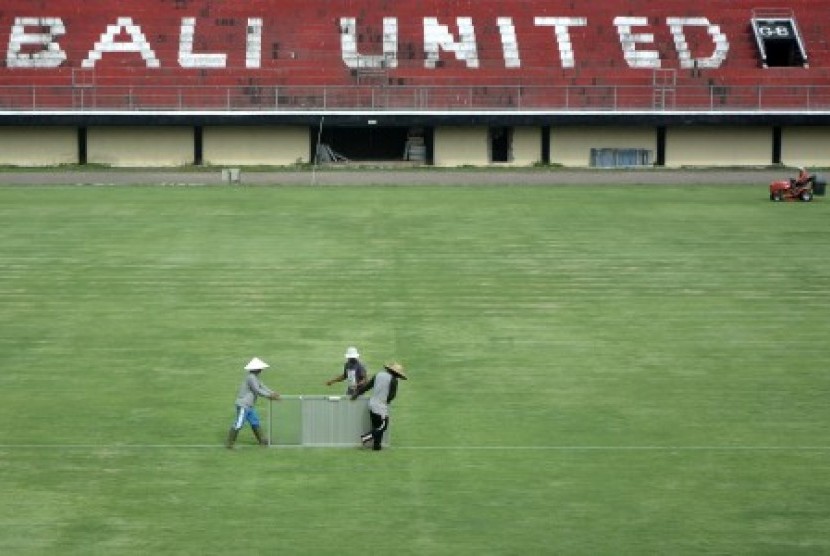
(384, 386)
(250, 388)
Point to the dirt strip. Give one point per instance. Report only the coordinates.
(383, 176)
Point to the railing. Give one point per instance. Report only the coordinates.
(36, 98)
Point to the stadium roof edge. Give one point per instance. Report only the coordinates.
(415, 117)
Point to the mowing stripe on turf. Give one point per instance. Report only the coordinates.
(428, 448)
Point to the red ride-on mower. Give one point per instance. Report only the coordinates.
(789, 190)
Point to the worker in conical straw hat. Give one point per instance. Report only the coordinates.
(354, 372)
(250, 389)
(384, 386)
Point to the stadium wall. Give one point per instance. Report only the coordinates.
(462, 146)
(137, 82)
(459, 146)
(527, 146)
(805, 146)
(38, 146)
(703, 146)
(140, 146)
(256, 146)
(571, 146)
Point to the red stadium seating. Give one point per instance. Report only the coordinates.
(299, 63)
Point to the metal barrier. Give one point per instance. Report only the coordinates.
(656, 98)
(322, 421)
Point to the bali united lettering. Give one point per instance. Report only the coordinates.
(35, 42)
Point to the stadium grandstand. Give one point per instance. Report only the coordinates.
(444, 83)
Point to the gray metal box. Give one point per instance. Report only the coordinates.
(325, 421)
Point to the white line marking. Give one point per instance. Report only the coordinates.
(622, 448)
(432, 448)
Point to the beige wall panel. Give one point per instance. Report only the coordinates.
(460, 146)
(805, 146)
(718, 146)
(140, 146)
(38, 146)
(571, 146)
(249, 146)
(527, 146)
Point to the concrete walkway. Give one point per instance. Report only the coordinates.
(384, 176)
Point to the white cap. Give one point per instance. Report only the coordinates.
(256, 364)
(352, 353)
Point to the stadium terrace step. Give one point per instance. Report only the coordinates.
(530, 44)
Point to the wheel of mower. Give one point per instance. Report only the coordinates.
(806, 196)
(776, 196)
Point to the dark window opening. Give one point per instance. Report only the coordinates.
(366, 143)
(501, 144)
(783, 54)
(82, 145)
(779, 42)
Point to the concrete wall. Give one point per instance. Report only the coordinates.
(140, 146)
(718, 146)
(460, 146)
(454, 146)
(805, 146)
(527, 146)
(270, 146)
(38, 146)
(470, 146)
(571, 146)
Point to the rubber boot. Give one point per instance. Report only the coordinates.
(232, 434)
(261, 439)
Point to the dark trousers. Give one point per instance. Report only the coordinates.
(379, 426)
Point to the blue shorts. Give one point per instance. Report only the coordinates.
(245, 414)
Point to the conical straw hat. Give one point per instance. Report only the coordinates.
(256, 364)
(396, 368)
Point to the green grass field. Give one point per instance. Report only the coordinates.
(594, 370)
